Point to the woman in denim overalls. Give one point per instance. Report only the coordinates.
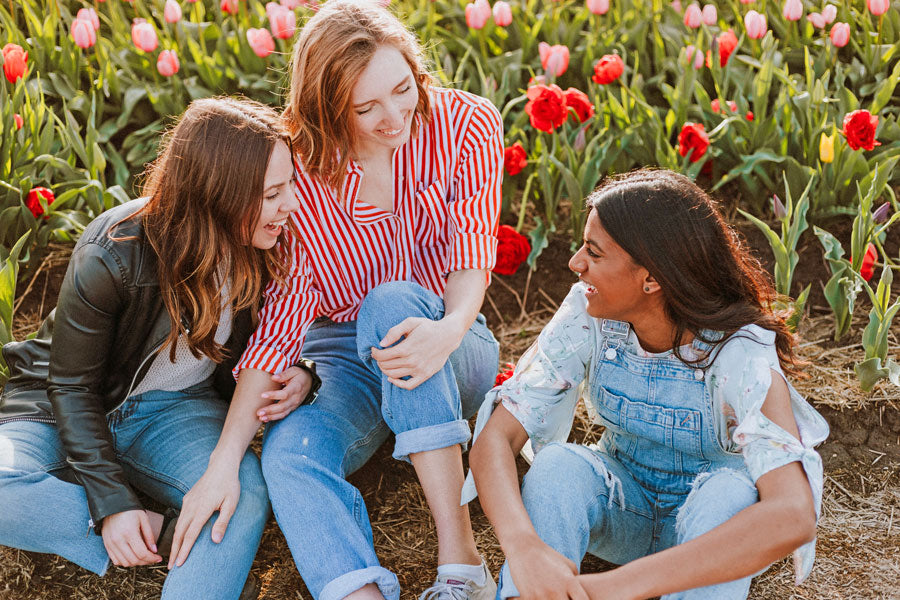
(705, 473)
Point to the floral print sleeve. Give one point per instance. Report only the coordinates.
(739, 380)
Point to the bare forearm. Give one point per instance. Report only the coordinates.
(463, 298)
(241, 423)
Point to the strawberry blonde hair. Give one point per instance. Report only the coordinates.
(333, 49)
(205, 193)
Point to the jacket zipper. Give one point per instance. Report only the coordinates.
(48, 420)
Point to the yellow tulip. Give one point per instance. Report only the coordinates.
(826, 148)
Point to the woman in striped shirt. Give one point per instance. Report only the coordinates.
(399, 191)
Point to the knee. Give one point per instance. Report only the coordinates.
(390, 303)
(714, 498)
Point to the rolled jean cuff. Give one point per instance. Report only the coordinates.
(505, 586)
(346, 584)
(431, 437)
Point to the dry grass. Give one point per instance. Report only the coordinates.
(858, 543)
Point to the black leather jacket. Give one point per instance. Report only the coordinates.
(108, 323)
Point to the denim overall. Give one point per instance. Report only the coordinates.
(657, 478)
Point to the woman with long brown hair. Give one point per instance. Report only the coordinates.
(125, 388)
(705, 472)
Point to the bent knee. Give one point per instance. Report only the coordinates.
(714, 498)
(391, 302)
(560, 475)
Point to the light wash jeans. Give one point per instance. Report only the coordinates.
(307, 456)
(163, 441)
(658, 477)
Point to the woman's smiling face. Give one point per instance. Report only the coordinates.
(383, 103)
(616, 281)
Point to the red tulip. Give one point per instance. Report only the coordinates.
(840, 34)
(18, 120)
(504, 374)
(172, 12)
(144, 35)
(609, 68)
(554, 59)
(282, 22)
(859, 129)
(15, 62)
(693, 16)
(867, 268)
(878, 7)
(502, 13)
(693, 138)
(477, 14)
(512, 250)
(580, 103)
(167, 64)
(514, 159)
(33, 201)
(598, 7)
(90, 15)
(261, 42)
(756, 25)
(83, 33)
(726, 43)
(546, 107)
(229, 6)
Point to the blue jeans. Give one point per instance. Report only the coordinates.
(307, 456)
(163, 441)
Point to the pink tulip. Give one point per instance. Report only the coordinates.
(816, 19)
(290, 4)
(229, 6)
(709, 15)
(692, 16)
(502, 13)
(478, 13)
(756, 25)
(282, 22)
(793, 10)
(840, 34)
(83, 33)
(746, 1)
(693, 55)
(598, 7)
(676, 5)
(172, 12)
(878, 7)
(167, 63)
(90, 15)
(829, 13)
(554, 59)
(261, 42)
(144, 35)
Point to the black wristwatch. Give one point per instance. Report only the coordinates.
(310, 367)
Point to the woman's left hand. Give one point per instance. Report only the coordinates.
(424, 351)
(295, 385)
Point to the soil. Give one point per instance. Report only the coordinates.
(861, 458)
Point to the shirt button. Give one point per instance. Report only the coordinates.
(698, 374)
(610, 353)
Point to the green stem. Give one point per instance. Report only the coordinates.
(10, 187)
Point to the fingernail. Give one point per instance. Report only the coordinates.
(266, 395)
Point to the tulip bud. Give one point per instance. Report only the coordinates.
(502, 13)
(89, 15)
(709, 15)
(33, 200)
(816, 19)
(290, 4)
(282, 22)
(793, 10)
(172, 12)
(878, 7)
(18, 120)
(260, 41)
(778, 208)
(756, 25)
(15, 62)
(693, 56)
(829, 13)
(580, 140)
(881, 214)
(676, 5)
(144, 35)
(598, 7)
(826, 148)
(477, 14)
(840, 34)
(83, 33)
(692, 16)
(554, 59)
(167, 64)
(229, 6)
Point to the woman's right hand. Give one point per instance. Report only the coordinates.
(129, 540)
(542, 573)
(217, 490)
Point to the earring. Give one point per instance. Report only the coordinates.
(646, 289)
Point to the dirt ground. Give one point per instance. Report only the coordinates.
(858, 536)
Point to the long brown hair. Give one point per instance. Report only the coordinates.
(204, 197)
(333, 49)
(710, 281)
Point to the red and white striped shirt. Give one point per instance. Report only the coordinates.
(446, 212)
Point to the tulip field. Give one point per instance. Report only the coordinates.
(785, 110)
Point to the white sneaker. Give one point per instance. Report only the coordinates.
(451, 587)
